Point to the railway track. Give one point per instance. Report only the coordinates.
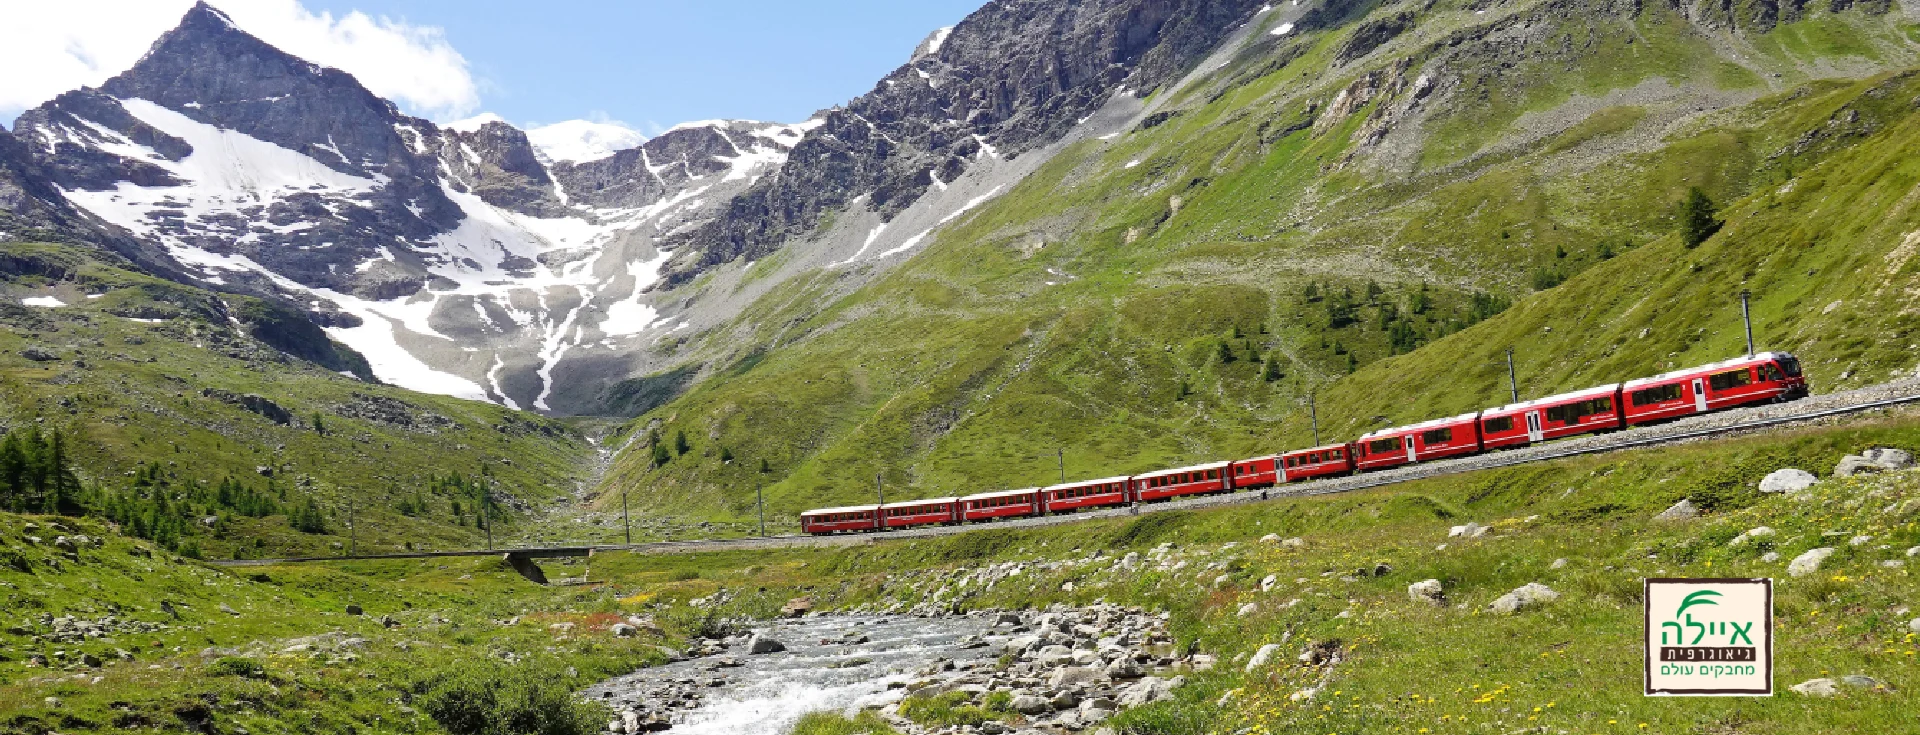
(1737, 421)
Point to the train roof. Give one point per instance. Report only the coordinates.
(998, 494)
(1321, 448)
(1078, 483)
(843, 509)
(1594, 392)
(922, 501)
(1189, 468)
(1450, 421)
(1709, 367)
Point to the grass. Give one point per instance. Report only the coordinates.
(1573, 659)
(1078, 319)
(165, 392)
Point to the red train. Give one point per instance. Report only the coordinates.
(1763, 378)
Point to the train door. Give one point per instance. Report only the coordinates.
(1534, 432)
(1699, 394)
(1411, 456)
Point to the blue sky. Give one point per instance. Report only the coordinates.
(654, 63)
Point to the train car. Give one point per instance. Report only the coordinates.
(1199, 479)
(1256, 473)
(1003, 504)
(1333, 460)
(1437, 439)
(1553, 417)
(928, 512)
(852, 519)
(1763, 378)
(1072, 496)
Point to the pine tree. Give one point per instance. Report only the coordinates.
(1226, 353)
(764, 468)
(680, 445)
(726, 455)
(661, 455)
(1697, 222)
(1271, 370)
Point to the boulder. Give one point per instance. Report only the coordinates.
(1531, 595)
(1788, 481)
(1071, 676)
(1427, 590)
(1681, 511)
(623, 630)
(1752, 534)
(1809, 562)
(1146, 691)
(1262, 656)
(1266, 584)
(1817, 688)
(1028, 704)
(1124, 668)
(1874, 460)
(762, 644)
(1293, 543)
(1469, 530)
(1248, 609)
(1271, 538)
(797, 607)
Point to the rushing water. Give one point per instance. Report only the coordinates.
(767, 693)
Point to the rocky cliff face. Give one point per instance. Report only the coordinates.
(1008, 79)
(458, 259)
(465, 259)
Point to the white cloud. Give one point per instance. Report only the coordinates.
(53, 47)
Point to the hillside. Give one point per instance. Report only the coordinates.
(235, 411)
(1397, 192)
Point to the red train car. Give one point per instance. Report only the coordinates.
(839, 520)
(1199, 479)
(1003, 504)
(1256, 473)
(1763, 378)
(1567, 414)
(928, 512)
(1437, 439)
(1072, 496)
(1333, 460)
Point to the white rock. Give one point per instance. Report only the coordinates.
(1770, 557)
(1222, 580)
(1271, 538)
(1681, 511)
(1809, 562)
(1788, 481)
(1293, 543)
(1817, 688)
(1751, 534)
(1558, 564)
(1248, 609)
(1860, 541)
(1265, 654)
(1428, 590)
(1530, 595)
(1267, 583)
(1914, 625)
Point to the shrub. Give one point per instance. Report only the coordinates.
(495, 699)
(236, 666)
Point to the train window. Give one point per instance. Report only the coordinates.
(1656, 394)
(1504, 423)
(1437, 436)
(1389, 444)
(1791, 365)
(1335, 454)
(1213, 474)
(1602, 405)
(1731, 379)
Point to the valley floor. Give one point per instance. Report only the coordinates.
(104, 634)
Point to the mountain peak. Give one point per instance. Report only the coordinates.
(201, 12)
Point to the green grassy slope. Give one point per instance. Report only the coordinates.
(1407, 665)
(149, 383)
(1121, 304)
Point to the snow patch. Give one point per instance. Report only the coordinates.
(1283, 29)
(44, 302)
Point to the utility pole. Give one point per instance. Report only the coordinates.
(1313, 413)
(760, 499)
(1513, 379)
(353, 532)
(626, 521)
(1063, 465)
(880, 513)
(1746, 315)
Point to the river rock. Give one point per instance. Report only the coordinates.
(1809, 562)
(797, 607)
(1028, 704)
(1148, 690)
(762, 644)
(1788, 481)
(1531, 595)
(1123, 668)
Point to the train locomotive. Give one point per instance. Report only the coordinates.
(1767, 377)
